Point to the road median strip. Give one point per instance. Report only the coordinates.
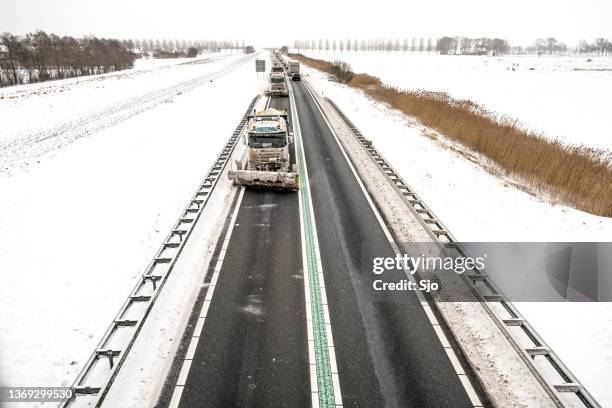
(326, 389)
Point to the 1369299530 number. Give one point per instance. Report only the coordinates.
(34, 394)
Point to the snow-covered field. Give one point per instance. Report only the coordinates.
(477, 206)
(81, 216)
(39, 118)
(559, 97)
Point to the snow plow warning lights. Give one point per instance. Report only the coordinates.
(271, 112)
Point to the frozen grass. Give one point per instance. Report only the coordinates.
(573, 175)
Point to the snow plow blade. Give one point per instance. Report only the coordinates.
(265, 180)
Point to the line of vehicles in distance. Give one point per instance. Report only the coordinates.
(282, 69)
(266, 163)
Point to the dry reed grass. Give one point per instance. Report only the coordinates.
(577, 176)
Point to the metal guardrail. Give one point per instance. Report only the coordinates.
(102, 367)
(484, 289)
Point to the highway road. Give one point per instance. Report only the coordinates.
(254, 349)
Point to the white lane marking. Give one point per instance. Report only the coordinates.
(465, 381)
(441, 335)
(192, 347)
(330, 341)
(205, 307)
(199, 326)
(184, 373)
(470, 391)
(176, 397)
(454, 361)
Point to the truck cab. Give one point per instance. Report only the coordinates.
(268, 141)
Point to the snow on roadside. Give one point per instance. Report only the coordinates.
(149, 63)
(477, 206)
(560, 97)
(77, 229)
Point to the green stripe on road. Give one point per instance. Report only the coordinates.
(324, 373)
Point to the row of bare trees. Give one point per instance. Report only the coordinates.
(601, 46)
(168, 45)
(453, 45)
(367, 45)
(444, 45)
(472, 46)
(498, 46)
(39, 56)
(550, 45)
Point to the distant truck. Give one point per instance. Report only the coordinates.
(294, 70)
(278, 85)
(277, 68)
(284, 60)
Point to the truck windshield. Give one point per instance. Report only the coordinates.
(277, 80)
(261, 141)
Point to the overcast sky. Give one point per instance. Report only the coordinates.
(277, 22)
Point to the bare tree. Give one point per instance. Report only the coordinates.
(551, 44)
(10, 65)
(602, 45)
(445, 45)
(541, 45)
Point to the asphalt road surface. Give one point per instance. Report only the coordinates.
(253, 349)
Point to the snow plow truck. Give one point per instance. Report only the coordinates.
(277, 85)
(267, 162)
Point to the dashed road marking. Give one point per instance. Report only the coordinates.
(184, 373)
